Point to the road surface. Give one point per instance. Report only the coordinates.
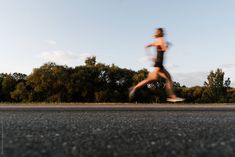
(131, 130)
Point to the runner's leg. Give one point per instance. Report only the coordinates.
(169, 83)
(152, 76)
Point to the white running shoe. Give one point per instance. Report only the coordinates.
(175, 99)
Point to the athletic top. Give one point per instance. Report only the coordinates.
(159, 59)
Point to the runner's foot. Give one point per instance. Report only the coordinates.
(177, 99)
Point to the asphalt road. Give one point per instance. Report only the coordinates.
(130, 133)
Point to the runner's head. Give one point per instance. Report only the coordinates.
(159, 33)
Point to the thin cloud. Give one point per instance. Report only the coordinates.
(144, 59)
(191, 78)
(172, 66)
(227, 66)
(83, 56)
(198, 78)
(51, 42)
(63, 57)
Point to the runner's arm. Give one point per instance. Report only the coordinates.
(154, 44)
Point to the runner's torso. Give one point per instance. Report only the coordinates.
(160, 57)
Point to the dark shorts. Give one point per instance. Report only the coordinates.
(159, 64)
(159, 60)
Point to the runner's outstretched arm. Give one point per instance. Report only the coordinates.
(153, 44)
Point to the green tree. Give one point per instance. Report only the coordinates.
(8, 83)
(216, 87)
(119, 80)
(193, 94)
(97, 82)
(48, 83)
(90, 61)
(19, 76)
(20, 94)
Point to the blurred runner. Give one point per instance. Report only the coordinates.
(159, 70)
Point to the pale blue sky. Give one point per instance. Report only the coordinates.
(33, 32)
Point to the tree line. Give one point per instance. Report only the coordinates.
(97, 82)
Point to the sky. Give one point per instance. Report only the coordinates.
(115, 31)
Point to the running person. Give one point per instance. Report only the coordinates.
(159, 69)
